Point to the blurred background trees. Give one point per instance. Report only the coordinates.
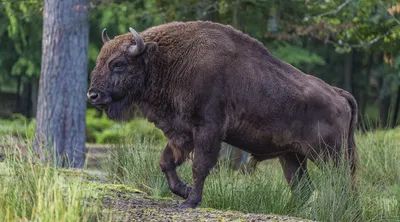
(352, 44)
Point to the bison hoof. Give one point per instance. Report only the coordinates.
(181, 190)
(189, 204)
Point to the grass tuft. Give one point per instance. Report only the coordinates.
(31, 191)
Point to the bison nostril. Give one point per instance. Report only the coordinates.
(93, 96)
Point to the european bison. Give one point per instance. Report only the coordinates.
(202, 83)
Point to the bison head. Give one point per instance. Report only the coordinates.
(119, 79)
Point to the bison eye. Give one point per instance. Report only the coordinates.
(119, 66)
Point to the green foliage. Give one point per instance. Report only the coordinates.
(104, 130)
(297, 56)
(98, 129)
(19, 126)
(23, 37)
(95, 126)
(362, 22)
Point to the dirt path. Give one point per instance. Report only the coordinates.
(142, 208)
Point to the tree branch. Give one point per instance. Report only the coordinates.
(364, 44)
(394, 17)
(333, 12)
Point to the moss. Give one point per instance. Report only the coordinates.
(121, 188)
(96, 190)
(82, 174)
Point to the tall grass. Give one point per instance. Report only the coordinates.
(31, 191)
(137, 164)
(266, 191)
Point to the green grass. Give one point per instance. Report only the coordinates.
(136, 164)
(30, 191)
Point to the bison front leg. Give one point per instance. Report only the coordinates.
(206, 150)
(168, 165)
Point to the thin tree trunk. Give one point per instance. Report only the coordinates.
(34, 95)
(348, 71)
(18, 100)
(384, 111)
(60, 127)
(366, 92)
(26, 100)
(384, 106)
(235, 15)
(396, 108)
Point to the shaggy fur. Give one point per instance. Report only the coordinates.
(202, 83)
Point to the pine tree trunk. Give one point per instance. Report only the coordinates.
(60, 127)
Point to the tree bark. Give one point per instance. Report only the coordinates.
(396, 108)
(60, 127)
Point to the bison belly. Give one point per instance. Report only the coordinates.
(260, 142)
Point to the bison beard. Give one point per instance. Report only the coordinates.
(204, 83)
(119, 109)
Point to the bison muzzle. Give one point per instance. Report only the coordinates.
(203, 83)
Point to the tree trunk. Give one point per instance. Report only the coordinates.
(60, 127)
(18, 100)
(365, 95)
(25, 101)
(396, 108)
(34, 95)
(235, 13)
(348, 71)
(384, 109)
(208, 10)
(384, 106)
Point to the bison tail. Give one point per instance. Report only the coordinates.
(352, 147)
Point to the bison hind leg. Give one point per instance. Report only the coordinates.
(252, 164)
(294, 166)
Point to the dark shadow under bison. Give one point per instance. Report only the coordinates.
(204, 83)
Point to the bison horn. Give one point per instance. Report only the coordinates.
(139, 47)
(104, 36)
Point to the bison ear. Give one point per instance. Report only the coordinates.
(150, 49)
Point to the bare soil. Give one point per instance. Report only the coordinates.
(142, 208)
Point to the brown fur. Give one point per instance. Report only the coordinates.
(351, 143)
(204, 83)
